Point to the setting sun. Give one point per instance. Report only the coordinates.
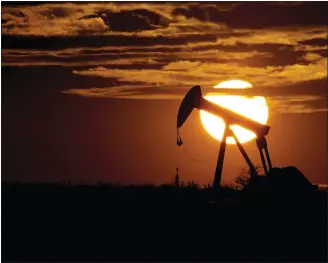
(233, 84)
(252, 107)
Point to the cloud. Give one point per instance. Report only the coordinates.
(260, 14)
(291, 89)
(47, 20)
(139, 58)
(131, 20)
(152, 28)
(92, 25)
(312, 57)
(256, 49)
(295, 104)
(66, 19)
(321, 40)
(42, 59)
(153, 19)
(98, 41)
(209, 74)
(278, 104)
(281, 35)
(121, 92)
(160, 50)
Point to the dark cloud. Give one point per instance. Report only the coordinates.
(306, 89)
(56, 43)
(272, 54)
(245, 47)
(259, 55)
(273, 59)
(261, 14)
(131, 20)
(111, 60)
(22, 3)
(321, 52)
(321, 42)
(162, 46)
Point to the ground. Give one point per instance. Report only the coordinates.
(145, 223)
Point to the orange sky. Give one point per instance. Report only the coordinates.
(91, 91)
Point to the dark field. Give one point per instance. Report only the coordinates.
(49, 222)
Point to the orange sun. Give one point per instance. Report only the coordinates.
(255, 108)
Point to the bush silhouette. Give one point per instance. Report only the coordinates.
(244, 178)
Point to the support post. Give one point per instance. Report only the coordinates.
(218, 171)
(267, 154)
(243, 152)
(260, 145)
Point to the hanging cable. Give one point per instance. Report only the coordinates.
(179, 143)
(194, 158)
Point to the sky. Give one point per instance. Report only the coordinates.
(91, 91)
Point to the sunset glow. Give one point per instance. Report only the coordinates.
(233, 84)
(255, 108)
(88, 88)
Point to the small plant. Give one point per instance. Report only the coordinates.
(244, 178)
(192, 184)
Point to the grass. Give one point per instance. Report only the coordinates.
(52, 222)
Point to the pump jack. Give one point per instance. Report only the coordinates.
(194, 99)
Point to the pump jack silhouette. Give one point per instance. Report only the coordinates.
(194, 99)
